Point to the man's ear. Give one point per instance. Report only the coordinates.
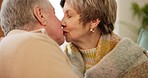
(94, 23)
(39, 15)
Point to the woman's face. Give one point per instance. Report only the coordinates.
(74, 31)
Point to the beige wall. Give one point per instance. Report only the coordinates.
(126, 26)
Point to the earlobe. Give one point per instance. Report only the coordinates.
(38, 13)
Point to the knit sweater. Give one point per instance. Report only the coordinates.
(126, 60)
(79, 59)
(118, 63)
(89, 57)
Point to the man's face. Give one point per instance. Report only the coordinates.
(54, 28)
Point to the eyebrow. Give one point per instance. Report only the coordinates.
(69, 12)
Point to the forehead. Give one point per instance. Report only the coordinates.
(69, 6)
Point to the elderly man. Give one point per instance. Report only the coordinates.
(29, 48)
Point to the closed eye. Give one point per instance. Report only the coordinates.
(68, 16)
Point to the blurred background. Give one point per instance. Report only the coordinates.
(132, 21)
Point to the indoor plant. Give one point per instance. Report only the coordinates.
(142, 13)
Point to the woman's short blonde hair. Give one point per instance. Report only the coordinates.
(104, 10)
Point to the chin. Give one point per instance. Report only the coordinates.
(67, 40)
(61, 41)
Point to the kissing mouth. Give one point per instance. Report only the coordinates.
(65, 32)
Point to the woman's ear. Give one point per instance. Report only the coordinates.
(94, 23)
(39, 15)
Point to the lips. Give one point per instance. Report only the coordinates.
(65, 32)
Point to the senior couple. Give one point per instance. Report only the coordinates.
(30, 48)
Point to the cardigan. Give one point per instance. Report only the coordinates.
(122, 62)
(122, 59)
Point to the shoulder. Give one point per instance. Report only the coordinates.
(29, 41)
(35, 38)
(127, 44)
(140, 71)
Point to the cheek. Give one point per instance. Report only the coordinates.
(72, 25)
(75, 32)
(55, 24)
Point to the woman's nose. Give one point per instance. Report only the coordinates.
(63, 22)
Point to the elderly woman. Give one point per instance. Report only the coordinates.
(94, 50)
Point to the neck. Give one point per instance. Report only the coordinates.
(37, 26)
(88, 42)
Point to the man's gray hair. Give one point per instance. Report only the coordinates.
(18, 14)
